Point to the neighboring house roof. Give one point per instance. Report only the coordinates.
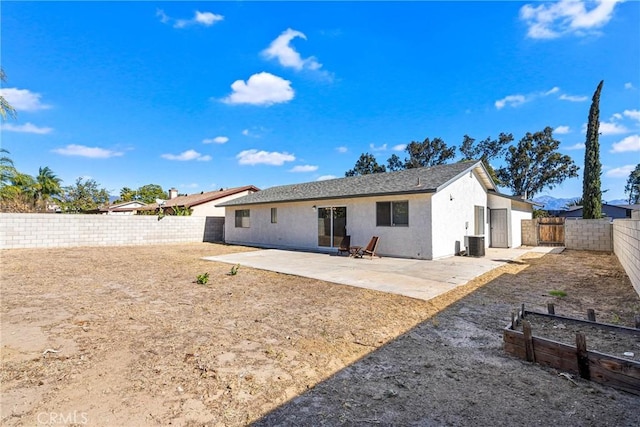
(192, 200)
(632, 207)
(409, 181)
(131, 205)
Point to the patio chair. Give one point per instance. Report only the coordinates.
(370, 249)
(344, 245)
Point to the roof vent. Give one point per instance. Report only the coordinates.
(418, 184)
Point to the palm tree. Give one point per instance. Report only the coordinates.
(46, 186)
(18, 194)
(5, 108)
(7, 170)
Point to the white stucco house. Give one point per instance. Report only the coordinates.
(422, 213)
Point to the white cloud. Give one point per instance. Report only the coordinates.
(199, 18)
(578, 146)
(562, 130)
(26, 128)
(23, 99)
(207, 18)
(261, 89)
(630, 143)
(342, 149)
(610, 128)
(164, 18)
(511, 101)
(573, 98)
(245, 132)
(621, 172)
(304, 168)
(616, 116)
(326, 177)
(383, 147)
(216, 140)
(84, 151)
(519, 99)
(629, 85)
(399, 147)
(254, 157)
(186, 156)
(554, 19)
(286, 55)
(632, 114)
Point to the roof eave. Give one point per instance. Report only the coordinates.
(233, 203)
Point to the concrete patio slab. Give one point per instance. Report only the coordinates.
(409, 277)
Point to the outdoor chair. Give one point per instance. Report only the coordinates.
(344, 245)
(370, 249)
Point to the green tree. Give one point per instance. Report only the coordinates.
(535, 164)
(18, 194)
(428, 153)
(127, 195)
(633, 186)
(84, 196)
(5, 108)
(366, 164)
(591, 191)
(149, 193)
(486, 150)
(394, 163)
(46, 187)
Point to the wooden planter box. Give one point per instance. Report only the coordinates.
(606, 369)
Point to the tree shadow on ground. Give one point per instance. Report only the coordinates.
(451, 370)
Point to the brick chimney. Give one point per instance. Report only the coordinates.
(173, 193)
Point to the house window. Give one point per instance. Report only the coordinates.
(478, 220)
(392, 214)
(242, 218)
(274, 215)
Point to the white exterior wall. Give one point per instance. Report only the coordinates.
(297, 226)
(519, 211)
(210, 209)
(453, 207)
(516, 212)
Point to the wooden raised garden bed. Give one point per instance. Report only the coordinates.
(621, 370)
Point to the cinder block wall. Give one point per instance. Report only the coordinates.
(626, 245)
(529, 236)
(588, 234)
(64, 230)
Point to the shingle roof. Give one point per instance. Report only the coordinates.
(418, 180)
(199, 198)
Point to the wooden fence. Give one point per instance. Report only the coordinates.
(551, 231)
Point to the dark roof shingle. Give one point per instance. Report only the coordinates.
(418, 180)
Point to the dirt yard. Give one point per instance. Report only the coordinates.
(124, 336)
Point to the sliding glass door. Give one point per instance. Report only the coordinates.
(332, 226)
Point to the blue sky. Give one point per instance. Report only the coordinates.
(200, 96)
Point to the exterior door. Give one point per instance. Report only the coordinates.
(499, 235)
(332, 226)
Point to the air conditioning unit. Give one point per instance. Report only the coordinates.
(474, 245)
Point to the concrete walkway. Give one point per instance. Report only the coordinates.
(409, 277)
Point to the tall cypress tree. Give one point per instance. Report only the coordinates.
(591, 192)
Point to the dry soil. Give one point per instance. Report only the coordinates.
(123, 336)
